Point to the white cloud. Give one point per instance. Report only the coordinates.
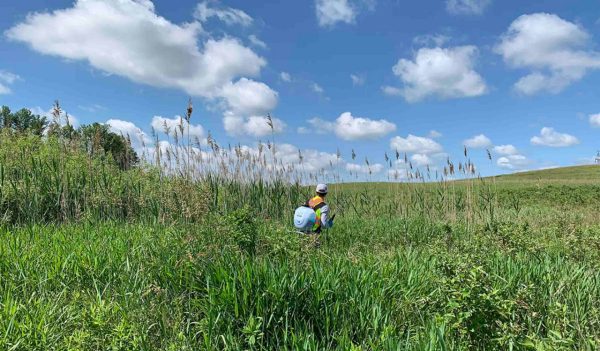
(434, 134)
(330, 12)
(467, 7)
(415, 144)
(354, 128)
(256, 126)
(443, 72)
(317, 88)
(513, 162)
(257, 42)
(62, 120)
(552, 138)
(250, 97)
(127, 38)
(6, 79)
(286, 77)
(138, 138)
(595, 120)
(348, 127)
(421, 160)
(176, 124)
(506, 150)
(478, 142)
(357, 80)
(248, 104)
(555, 50)
(228, 15)
(365, 169)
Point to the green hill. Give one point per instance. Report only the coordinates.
(574, 174)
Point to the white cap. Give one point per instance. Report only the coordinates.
(322, 188)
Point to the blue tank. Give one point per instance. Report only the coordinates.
(304, 218)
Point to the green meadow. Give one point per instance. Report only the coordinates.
(97, 256)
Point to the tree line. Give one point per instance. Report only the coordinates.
(95, 139)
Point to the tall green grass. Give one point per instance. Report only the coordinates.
(93, 257)
(187, 287)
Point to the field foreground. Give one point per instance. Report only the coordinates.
(124, 264)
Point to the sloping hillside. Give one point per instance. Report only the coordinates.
(575, 174)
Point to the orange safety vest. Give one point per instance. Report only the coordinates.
(316, 203)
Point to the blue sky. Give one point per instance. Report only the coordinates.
(424, 78)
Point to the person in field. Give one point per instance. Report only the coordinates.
(314, 215)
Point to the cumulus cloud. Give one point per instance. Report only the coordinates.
(286, 77)
(250, 97)
(513, 162)
(348, 127)
(595, 120)
(6, 79)
(128, 38)
(357, 80)
(330, 12)
(128, 129)
(556, 51)
(256, 126)
(416, 145)
(230, 16)
(421, 160)
(443, 72)
(478, 142)
(550, 137)
(506, 150)
(467, 7)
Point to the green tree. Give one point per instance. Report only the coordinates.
(98, 140)
(22, 121)
(5, 117)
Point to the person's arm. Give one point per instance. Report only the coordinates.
(325, 219)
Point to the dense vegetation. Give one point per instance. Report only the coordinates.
(96, 140)
(94, 255)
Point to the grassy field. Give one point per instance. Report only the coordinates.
(562, 175)
(95, 258)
